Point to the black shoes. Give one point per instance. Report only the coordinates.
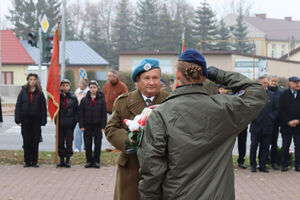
(275, 166)
(297, 169)
(263, 169)
(242, 166)
(27, 165)
(61, 162)
(96, 165)
(253, 169)
(88, 165)
(35, 165)
(284, 169)
(68, 162)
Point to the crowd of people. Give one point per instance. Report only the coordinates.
(281, 112)
(187, 140)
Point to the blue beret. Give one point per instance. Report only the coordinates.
(194, 56)
(294, 79)
(146, 65)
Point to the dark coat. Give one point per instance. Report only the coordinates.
(1, 119)
(127, 106)
(93, 114)
(264, 122)
(68, 114)
(276, 95)
(289, 109)
(27, 109)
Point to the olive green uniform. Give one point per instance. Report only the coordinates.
(186, 152)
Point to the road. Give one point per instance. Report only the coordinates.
(11, 139)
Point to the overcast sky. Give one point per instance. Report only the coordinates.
(273, 8)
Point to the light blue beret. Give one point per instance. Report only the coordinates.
(146, 65)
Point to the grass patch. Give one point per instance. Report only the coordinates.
(47, 158)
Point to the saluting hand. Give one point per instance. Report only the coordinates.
(83, 129)
(293, 123)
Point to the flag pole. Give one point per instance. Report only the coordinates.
(56, 138)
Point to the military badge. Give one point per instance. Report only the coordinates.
(147, 67)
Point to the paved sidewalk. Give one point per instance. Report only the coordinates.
(77, 183)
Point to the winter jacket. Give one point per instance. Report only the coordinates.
(111, 92)
(93, 113)
(68, 110)
(186, 151)
(31, 105)
(265, 121)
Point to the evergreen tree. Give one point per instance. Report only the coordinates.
(70, 29)
(240, 33)
(168, 36)
(147, 24)
(223, 34)
(123, 34)
(25, 14)
(205, 25)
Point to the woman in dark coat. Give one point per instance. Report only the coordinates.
(31, 114)
(92, 121)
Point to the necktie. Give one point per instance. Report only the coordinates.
(148, 101)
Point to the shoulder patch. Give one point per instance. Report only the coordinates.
(240, 93)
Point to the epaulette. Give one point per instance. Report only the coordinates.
(122, 96)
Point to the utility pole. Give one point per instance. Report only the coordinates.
(40, 53)
(63, 41)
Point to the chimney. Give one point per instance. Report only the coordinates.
(262, 16)
(288, 19)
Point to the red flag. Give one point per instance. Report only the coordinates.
(53, 79)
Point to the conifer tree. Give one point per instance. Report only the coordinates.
(205, 25)
(223, 34)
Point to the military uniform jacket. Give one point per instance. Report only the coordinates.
(127, 106)
(186, 151)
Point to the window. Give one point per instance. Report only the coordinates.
(283, 49)
(7, 78)
(273, 50)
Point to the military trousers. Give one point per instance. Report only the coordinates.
(286, 142)
(31, 131)
(263, 141)
(92, 133)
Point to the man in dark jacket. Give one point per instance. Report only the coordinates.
(92, 121)
(261, 129)
(273, 87)
(68, 117)
(289, 112)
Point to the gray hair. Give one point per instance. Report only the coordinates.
(84, 82)
(114, 72)
(272, 76)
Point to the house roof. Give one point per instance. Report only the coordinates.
(77, 53)
(275, 29)
(291, 53)
(148, 53)
(13, 53)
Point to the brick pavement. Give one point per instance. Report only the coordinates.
(77, 183)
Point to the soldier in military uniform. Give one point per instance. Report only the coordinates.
(147, 78)
(186, 151)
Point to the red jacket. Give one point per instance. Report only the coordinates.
(111, 92)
